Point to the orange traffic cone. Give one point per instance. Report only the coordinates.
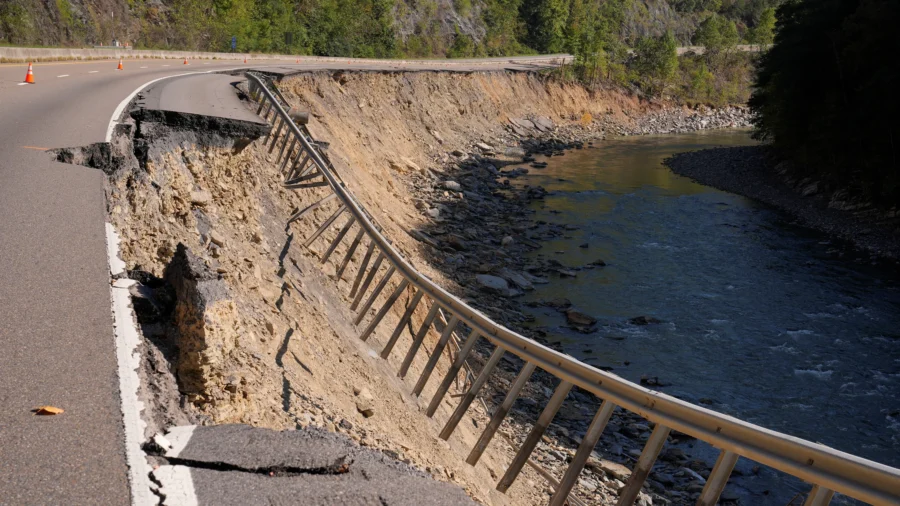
(120, 67)
(245, 59)
(298, 60)
(29, 77)
(185, 61)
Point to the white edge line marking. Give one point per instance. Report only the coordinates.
(178, 438)
(128, 358)
(93, 71)
(144, 67)
(64, 75)
(124, 103)
(22, 84)
(177, 485)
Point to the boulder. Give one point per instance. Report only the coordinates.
(575, 317)
(543, 123)
(365, 402)
(612, 469)
(405, 165)
(493, 284)
(516, 279)
(452, 186)
(201, 198)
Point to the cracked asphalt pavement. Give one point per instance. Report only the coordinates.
(243, 465)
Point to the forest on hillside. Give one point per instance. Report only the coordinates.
(627, 43)
(369, 27)
(826, 95)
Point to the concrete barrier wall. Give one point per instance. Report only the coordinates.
(26, 54)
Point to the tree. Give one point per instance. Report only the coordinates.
(655, 61)
(718, 36)
(764, 32)
(826, 93)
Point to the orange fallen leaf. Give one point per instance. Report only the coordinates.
(48, 410)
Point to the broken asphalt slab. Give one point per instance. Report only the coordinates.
(239, 464)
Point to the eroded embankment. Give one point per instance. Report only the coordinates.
(243, 323)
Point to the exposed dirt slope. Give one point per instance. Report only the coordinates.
(274, 344)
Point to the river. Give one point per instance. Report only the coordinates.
(761, 319)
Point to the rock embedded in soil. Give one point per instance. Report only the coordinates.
(452, 186)
(365, 403)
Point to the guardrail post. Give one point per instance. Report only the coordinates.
(362, 267)
(819, 496)
(286, 138)
(350, 251)
(365, 286)
(543, 421)
(337, 240)
(290, 157)
(265, 115)
(452, 372)
(718, 478)
(472, 393)
(273, 136)
(417, 342)
(325, 225)
(285, 147)
(435, 355)
(644, 465)
(500, 414)
(371, 300)
(386, 352)
(384, 309)
(598, 424)
(297, 165)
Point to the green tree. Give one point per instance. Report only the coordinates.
(504, 27)
(545, 21)
(764, 32)
(655, 61)
(463, 46)
(826, 93)
(718, 36)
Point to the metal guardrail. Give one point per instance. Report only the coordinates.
(826, 469)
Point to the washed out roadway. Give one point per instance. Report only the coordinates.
(57, 345)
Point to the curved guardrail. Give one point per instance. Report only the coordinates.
(827, 469)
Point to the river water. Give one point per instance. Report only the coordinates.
(760, 320)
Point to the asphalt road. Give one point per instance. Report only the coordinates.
(57, 345)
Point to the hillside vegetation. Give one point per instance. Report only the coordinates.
(826, 94)
(628, 43)
(365, 27)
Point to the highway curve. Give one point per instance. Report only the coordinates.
(57, 345)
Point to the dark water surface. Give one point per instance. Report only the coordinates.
(759, 320)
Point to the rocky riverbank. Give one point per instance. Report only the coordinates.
(477, 232)
(757, 173)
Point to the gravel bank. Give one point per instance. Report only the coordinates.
(756, 173)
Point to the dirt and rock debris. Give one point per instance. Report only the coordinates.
(244, 324)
